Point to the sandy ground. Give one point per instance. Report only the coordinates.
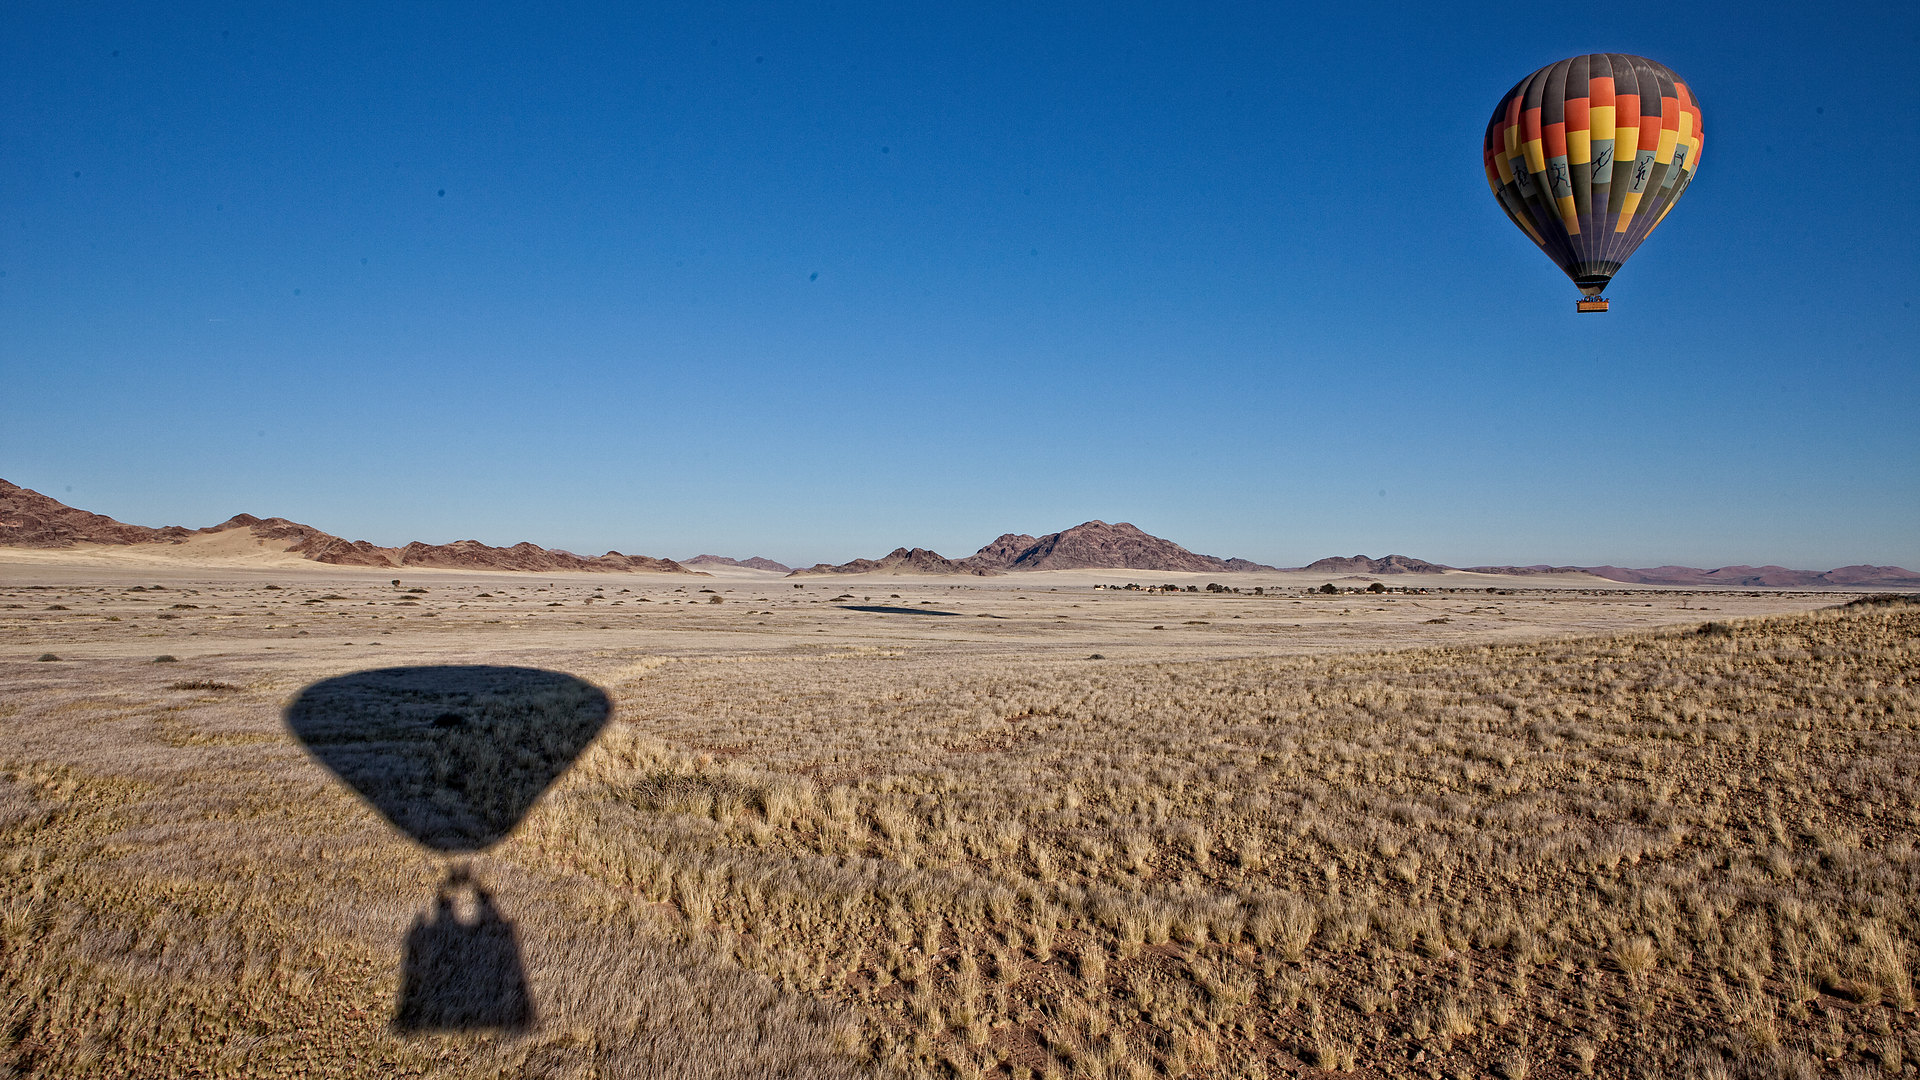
(146, 794)
(218, 596)
(130, 604)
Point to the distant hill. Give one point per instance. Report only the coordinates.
(1740, 577)
(755, 563)
(1361, 564)
(1765, 577)
(30, 519)
(1096, 545)
(898, 561)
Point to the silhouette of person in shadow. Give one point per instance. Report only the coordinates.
(462, 974)
(454, 757)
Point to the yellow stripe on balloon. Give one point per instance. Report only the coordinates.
(1569, 215)
(1626, 211)
(1626, 142)
(1601, 122)
(1664, 154)
(1536, 157)
(1579, 148)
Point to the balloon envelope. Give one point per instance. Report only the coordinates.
(1586, 156)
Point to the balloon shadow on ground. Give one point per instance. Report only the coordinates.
(454, 757)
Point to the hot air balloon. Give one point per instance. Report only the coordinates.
(1587, 155)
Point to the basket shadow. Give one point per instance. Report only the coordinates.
(462, 970)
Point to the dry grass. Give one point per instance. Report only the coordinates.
(1663, 853)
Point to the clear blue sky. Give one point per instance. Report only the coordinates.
(811, 282)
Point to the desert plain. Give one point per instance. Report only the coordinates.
(1031, 825)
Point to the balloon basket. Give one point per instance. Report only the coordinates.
(1596, 303)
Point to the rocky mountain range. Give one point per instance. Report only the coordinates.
(1092, 545)
(1742, 577)
(30, 519)
(898, 561)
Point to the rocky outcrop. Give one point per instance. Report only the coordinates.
(755, 563)
(1003, 551)
(30, 519)
(1361, 564)
(1096, 545)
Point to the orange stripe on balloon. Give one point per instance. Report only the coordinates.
(1555, 136)
(1578, 118)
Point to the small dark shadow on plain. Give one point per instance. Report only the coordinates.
(453, 756)
(880, 610)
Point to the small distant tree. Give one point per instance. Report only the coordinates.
(1328, 588)
(1376, 587)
